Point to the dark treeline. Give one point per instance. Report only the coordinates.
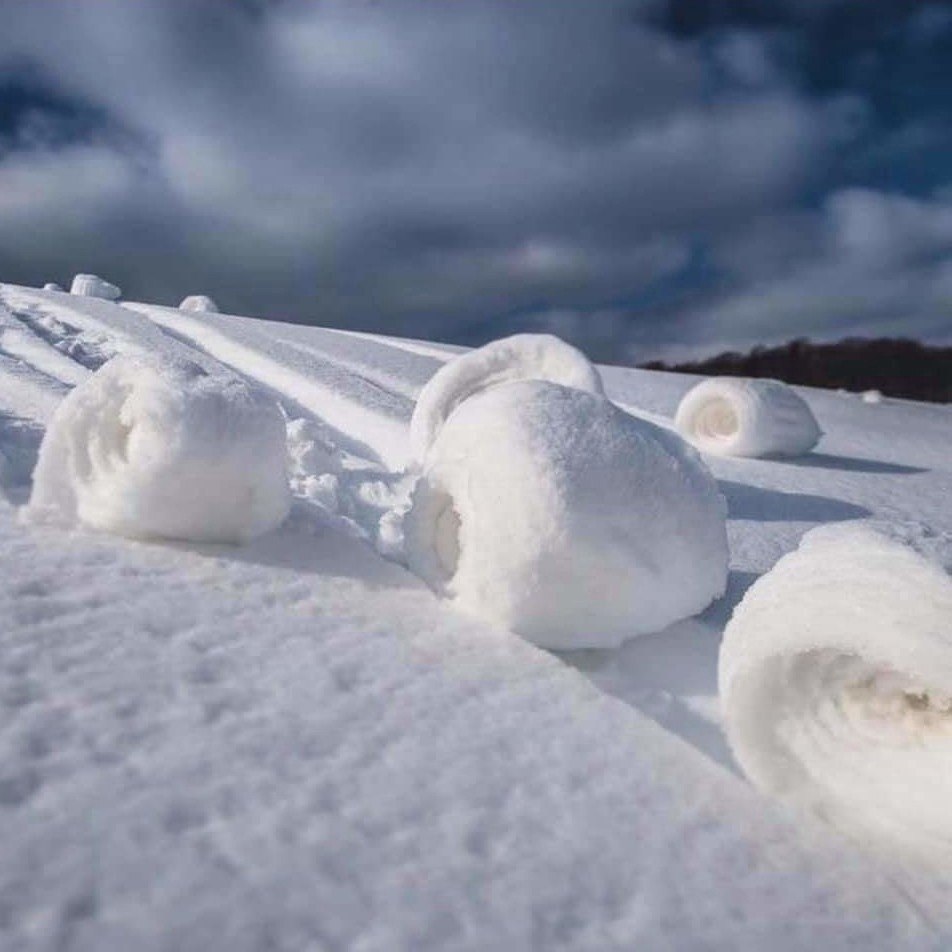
(897, 367)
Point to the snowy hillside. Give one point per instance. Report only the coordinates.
(294, 744)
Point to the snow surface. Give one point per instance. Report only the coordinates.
(836, 680)
(294, 744)
(155, 448)
(520, 357)
(739, 417)
(90, 285)
(552, 513)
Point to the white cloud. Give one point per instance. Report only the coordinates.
(425, 168)
(879, 228)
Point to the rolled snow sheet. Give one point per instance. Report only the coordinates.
(549, 511)
(158, 449)
(836, 681)
(736, 417)
(200, 303)
(89, 285)
(521, 357)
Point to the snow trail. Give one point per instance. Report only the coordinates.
(347, 402)
(19, 339)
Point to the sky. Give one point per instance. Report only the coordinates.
(660, 178)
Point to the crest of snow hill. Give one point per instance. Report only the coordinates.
(539, 505)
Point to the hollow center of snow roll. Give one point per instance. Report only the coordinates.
(901, 701)
(716, 420)
(446, 529)
(874, 743)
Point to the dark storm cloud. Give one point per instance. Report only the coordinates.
(637, 176)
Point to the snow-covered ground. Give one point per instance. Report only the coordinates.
(294, 744)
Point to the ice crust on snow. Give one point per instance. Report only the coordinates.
(200, 303)
(520, 357)
(552, 513)
(836, 681)
(90, 285)
(740, 417)
(158, 448)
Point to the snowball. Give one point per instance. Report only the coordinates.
(323, 490)
(551, 512)
(51, 286)
(389, 541)
(872, 396)
(522, 357)
(736, 417)
(310, 451)
(149, 448)
(88, 285)
(836, 681)
(199, 302)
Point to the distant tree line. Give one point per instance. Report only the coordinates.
(894, 366)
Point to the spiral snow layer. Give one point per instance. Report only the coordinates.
(200, 303)
(551, 512)
(521, 357)
(836, 681)
(158, 449)
(89, 285)
(735, 417)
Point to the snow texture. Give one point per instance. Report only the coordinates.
(738, 417)
(162, 449)
(521, 357)
(295, 745)
(549, 511)
(200, 303)
(836, 681)
(89, 285)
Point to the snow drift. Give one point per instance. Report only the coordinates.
(553, 513)
(736, 417)
(836, 680)
(199, 303)
(89, 285)
(150, 448)
(521, 357)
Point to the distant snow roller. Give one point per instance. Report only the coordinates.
(730, 416)
(549, 511)
(51, 286)
(153, 448)
(836, 682)
(89, 285)
(200, 303)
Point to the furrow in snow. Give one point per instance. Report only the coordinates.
(27, 392)
(439, 352)
(98, 329)
(392, 368)
(20, 340)
(347, 402)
